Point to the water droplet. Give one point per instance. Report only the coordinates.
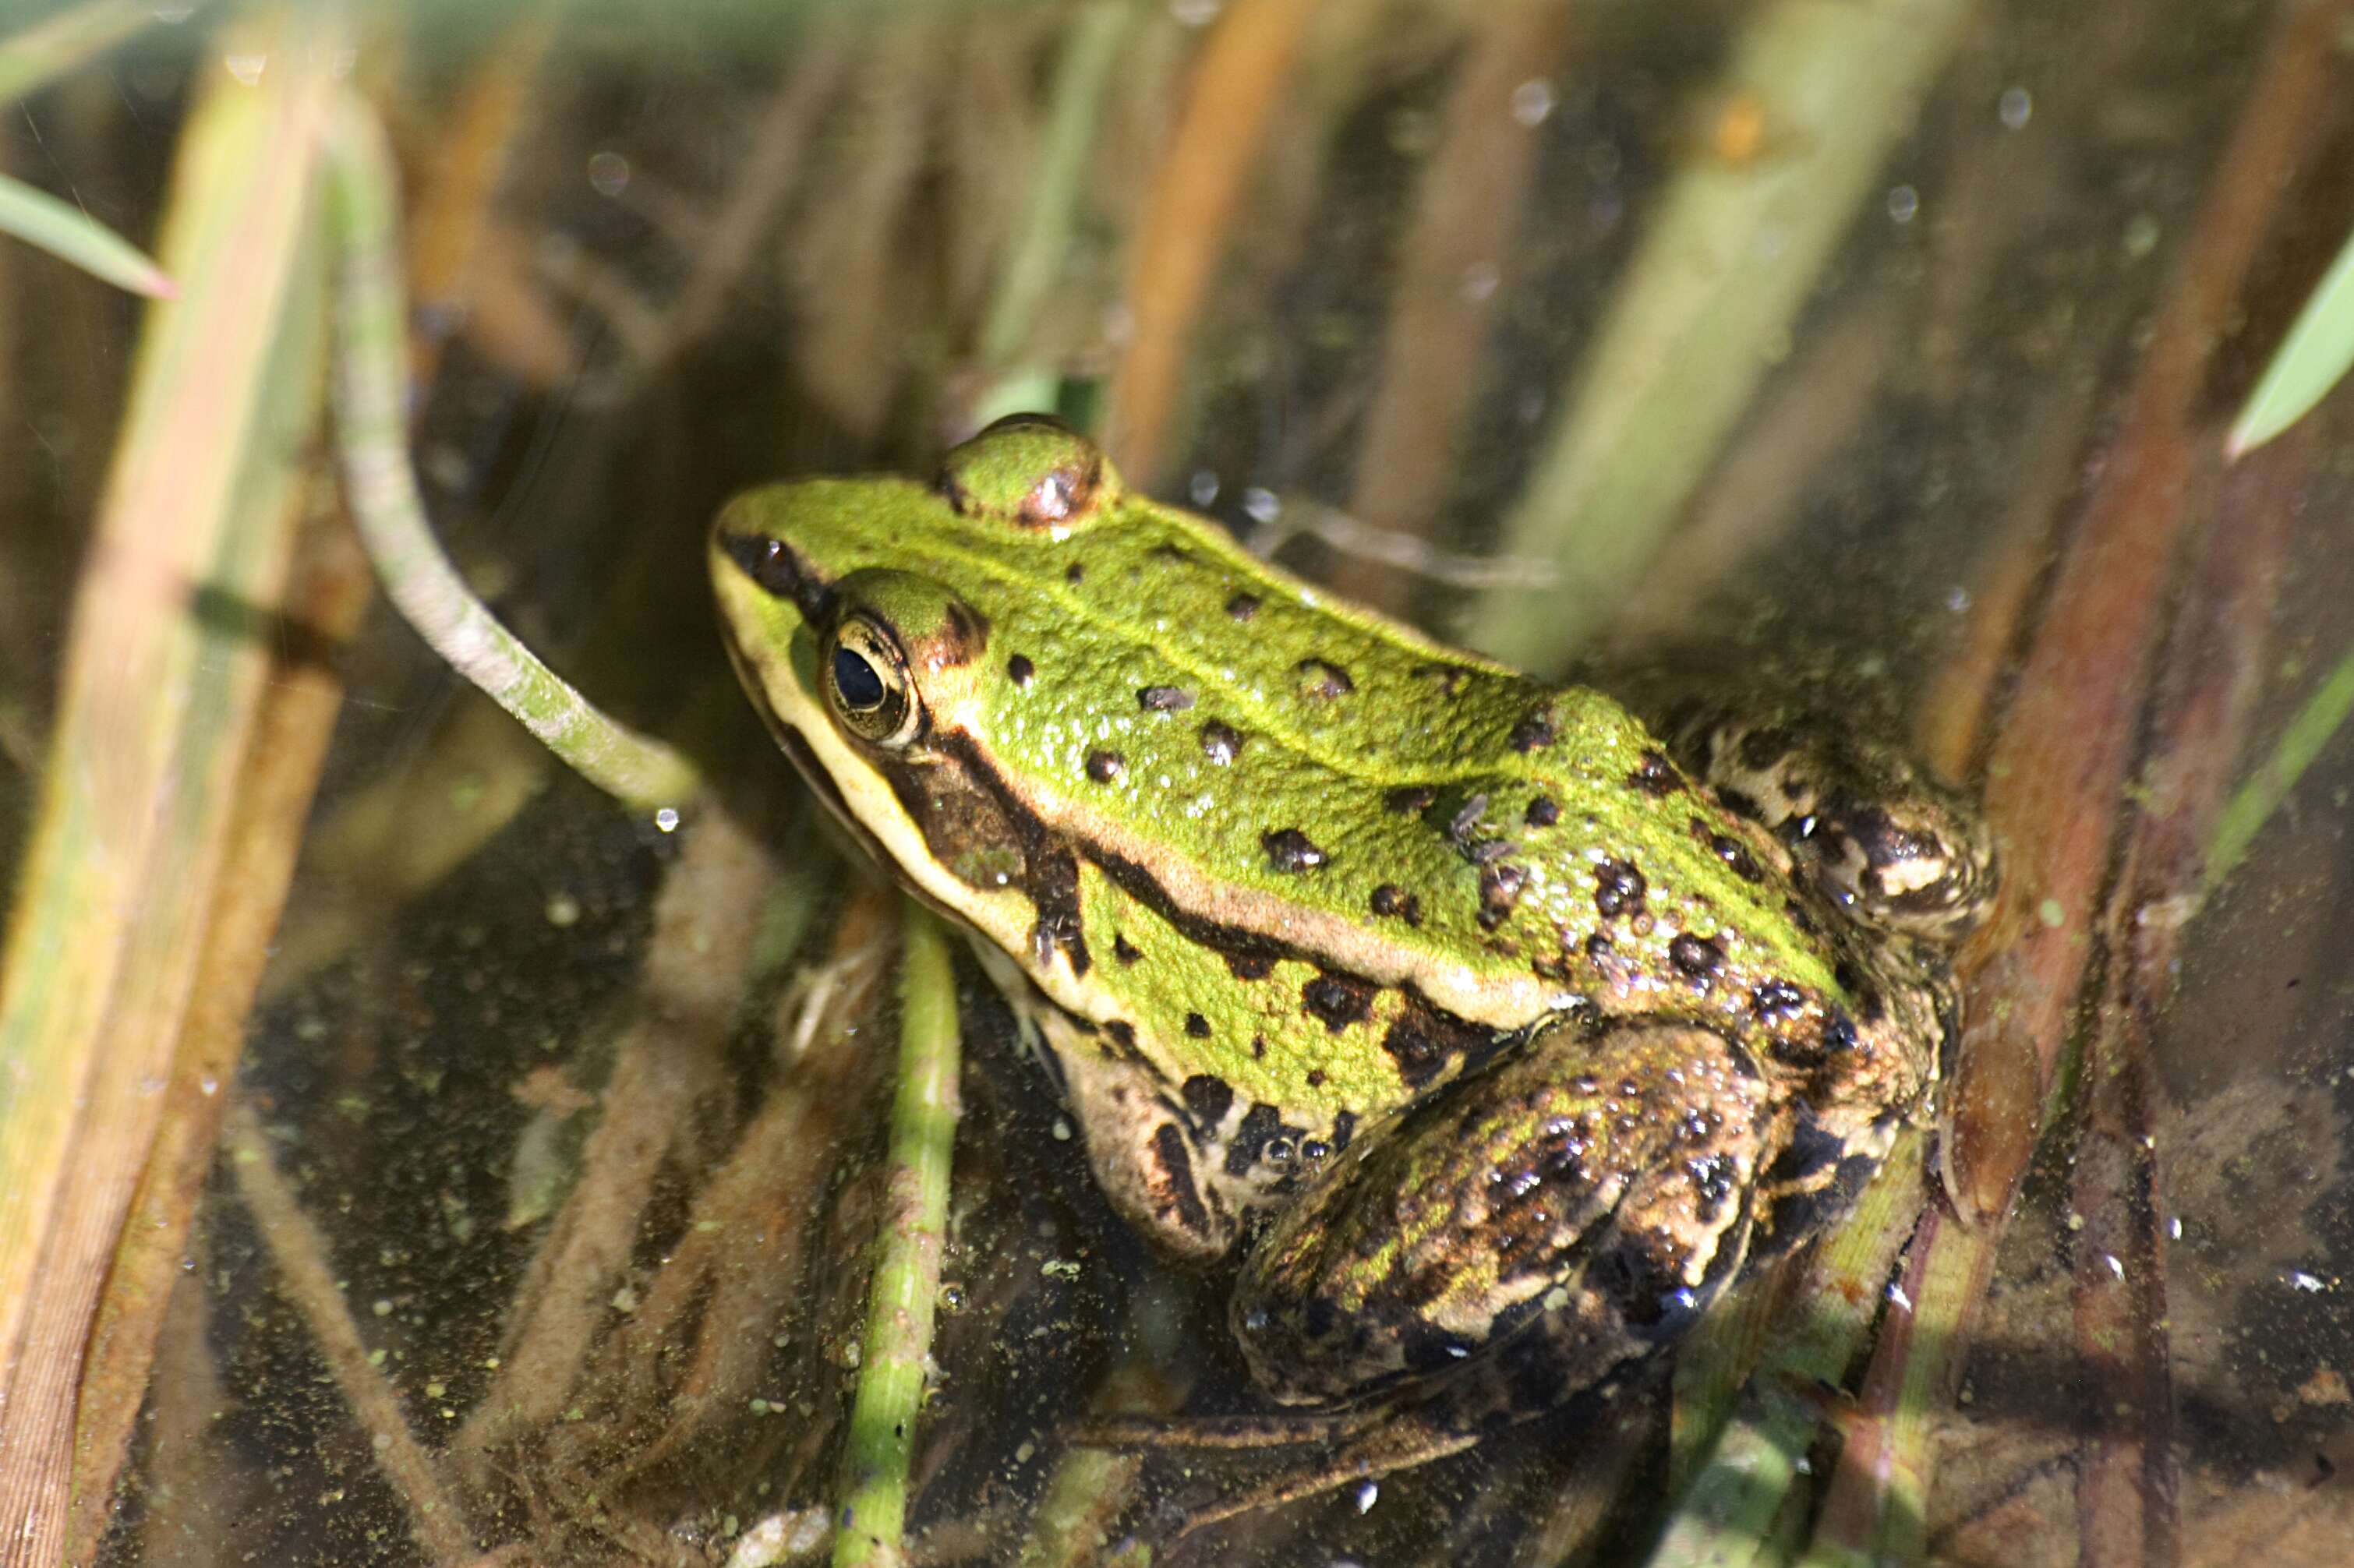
(608, 173)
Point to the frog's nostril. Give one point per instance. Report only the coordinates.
(763, 560)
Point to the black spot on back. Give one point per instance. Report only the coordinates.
(1695, 956)
(1221, 743)
(1337, 1000)
(1736, 855)
(1499, 889)
(1288, 848)
(1421, 1042)
(1540, 729)
(1618, 889)
(1655, 776)
(1774, 1000)
(1323, 680)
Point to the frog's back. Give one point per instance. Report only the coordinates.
(1422, 817)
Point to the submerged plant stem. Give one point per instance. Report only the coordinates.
(1738, 243)
(901, 1301)
(371, 376)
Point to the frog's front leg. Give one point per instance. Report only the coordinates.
(1521, 1232)
(1148, 1153)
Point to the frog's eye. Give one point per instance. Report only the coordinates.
(866, 683)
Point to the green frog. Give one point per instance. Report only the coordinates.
(1494, 1031)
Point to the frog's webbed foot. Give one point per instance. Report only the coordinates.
(1880, 835)
(1286, 1430)
(1356, 1447)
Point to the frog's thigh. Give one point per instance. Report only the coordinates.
(1910, 853)
(1141, 1146)
(1582, 1200)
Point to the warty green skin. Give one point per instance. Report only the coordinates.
(1516, 1029)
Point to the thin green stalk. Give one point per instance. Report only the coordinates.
(1743, 1470)
(371, 383)
(900, 1303)
(2254, 802)
(1042, 242)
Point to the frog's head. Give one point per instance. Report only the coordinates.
(865, 605)
(860, 613)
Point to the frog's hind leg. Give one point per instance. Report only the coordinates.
(1873, 828)
(1514, 1242)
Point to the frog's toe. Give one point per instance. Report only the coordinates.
(1883, 836)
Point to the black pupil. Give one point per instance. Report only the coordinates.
(855, 679)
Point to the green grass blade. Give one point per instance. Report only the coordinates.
(2310, 361)
(32, 56)
(73, 235)
(870, 1522)
(171, 646)
(2254, 802)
